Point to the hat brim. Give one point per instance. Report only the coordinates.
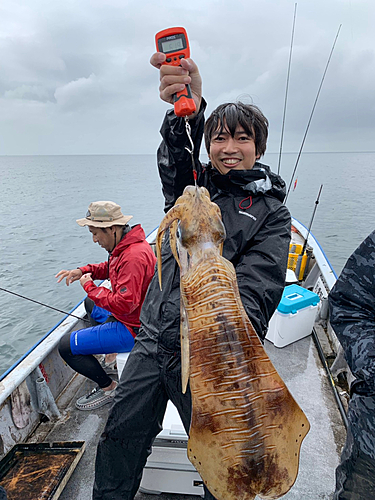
(122, 221)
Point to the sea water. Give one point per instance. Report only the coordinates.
(42, 196)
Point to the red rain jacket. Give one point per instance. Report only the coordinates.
(130, 269)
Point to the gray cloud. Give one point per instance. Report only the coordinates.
(75, 76)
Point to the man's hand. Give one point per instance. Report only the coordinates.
(174, 78)
(85, 278)
(71, 276)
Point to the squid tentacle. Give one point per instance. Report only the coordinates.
(171, 219)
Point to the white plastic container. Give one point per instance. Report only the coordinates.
(120, 361)
(168, 469)
(294, 317)
(291, 277)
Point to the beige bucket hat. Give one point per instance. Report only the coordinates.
(104, 214)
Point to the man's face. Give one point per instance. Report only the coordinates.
(105, 239)
(232, 153)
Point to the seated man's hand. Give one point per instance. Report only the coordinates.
(85, 278)
(71, 276)
(174, 78)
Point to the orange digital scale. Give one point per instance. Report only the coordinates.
(174, 43)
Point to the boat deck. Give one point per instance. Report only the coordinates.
(299, 366)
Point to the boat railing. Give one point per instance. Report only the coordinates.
(324, 265)
(12, 378)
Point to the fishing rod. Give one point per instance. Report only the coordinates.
(45, 305)
(303, 259)
(286, 89)
(311, 115)
(312, 219)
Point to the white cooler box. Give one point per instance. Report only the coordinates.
(294, 317)
(168, 469)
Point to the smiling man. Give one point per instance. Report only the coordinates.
(250, 198)
(236, 137)
(232, 152)
(114, 313)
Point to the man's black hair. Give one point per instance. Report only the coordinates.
(232, 114)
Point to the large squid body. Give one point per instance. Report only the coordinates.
(246, 429)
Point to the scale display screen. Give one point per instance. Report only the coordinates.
(172, 45)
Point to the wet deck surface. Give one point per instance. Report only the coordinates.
(299, 366)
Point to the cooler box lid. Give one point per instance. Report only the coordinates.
(295, 298)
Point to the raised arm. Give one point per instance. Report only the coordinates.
(174, 161)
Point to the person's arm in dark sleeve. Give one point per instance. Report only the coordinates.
(261, 271)
(352, 311)
(174, 161)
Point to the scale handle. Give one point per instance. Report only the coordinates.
(184, 104)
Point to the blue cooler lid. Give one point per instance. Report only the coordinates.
(295, 298)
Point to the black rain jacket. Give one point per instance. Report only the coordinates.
(256, 222)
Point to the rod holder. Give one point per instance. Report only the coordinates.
(42, 399)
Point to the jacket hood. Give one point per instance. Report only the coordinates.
(259, 180)
(135, 235)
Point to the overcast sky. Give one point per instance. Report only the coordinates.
(75, 76)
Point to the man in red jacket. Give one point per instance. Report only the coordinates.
(130, 267)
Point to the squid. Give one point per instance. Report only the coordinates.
(246, 428)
